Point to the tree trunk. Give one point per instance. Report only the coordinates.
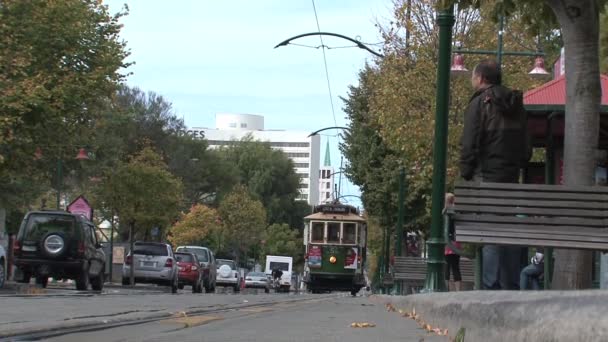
(131, 243)
(579, 20)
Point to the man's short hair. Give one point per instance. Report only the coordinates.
(489, 72)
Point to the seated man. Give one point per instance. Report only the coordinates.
(532, 272)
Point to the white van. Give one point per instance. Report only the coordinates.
(285, 264)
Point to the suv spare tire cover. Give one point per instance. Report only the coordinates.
(54, 244)
(225, 271)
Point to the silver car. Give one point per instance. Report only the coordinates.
(154, 264)
(257, 280)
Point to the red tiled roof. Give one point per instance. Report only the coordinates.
(554, 93)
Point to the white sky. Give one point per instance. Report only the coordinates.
(208, 56)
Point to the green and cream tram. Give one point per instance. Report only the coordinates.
(335, 238)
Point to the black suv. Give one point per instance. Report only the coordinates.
(61, 245)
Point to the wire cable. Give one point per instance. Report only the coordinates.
(331, 98)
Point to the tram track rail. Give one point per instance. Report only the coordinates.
(83, 327)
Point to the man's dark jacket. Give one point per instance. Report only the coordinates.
(495, 142)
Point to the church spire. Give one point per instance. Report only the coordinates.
(327, 157)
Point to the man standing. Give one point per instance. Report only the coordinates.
(494, 149)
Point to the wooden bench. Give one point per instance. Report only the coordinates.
(411, 272)
(550, 216)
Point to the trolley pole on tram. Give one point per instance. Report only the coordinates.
(434, 275)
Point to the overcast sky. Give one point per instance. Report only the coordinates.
(208, 57)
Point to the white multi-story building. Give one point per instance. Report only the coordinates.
(304, 151)
(326, 179)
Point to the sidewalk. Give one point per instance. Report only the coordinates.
(513, 315)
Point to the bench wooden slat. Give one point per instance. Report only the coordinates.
(555, 221)
(532, 187)
(522, 233)
(460, 193)
(524, 203)
(531, 242)
(539, 229)
(481, 209)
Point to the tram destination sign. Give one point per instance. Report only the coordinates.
(334, 209)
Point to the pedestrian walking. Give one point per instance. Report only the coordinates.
(494, 147)
(533, 272)
(451, 258)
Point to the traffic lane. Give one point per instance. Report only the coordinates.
(321, 319)
(20, 314)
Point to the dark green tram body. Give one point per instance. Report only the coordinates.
(335, 239)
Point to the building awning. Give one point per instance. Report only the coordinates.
(551, 96)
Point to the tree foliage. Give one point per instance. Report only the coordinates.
(60, 62)
(280, 239)
(142, 192)
(243, 221)
(195, 227)
(269, 175)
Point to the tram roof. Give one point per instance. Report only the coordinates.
(335, 217)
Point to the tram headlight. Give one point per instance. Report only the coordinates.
(333, 259)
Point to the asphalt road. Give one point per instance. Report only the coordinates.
(315, 319)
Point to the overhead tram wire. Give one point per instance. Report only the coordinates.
(331, 99)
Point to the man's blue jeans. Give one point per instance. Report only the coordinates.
(530, 273)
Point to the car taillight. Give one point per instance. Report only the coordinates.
(16, 248)
(81, 248)
(128, 260)
(359, 258)
(169, 263)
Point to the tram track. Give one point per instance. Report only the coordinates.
(83, 327)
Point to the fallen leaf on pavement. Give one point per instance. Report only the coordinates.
(362, 325)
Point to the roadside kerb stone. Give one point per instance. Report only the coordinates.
(513, 315)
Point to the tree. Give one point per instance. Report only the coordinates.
(59, 62)
(269, 175)
(195, 226)
(280, 239)
(579, 24)
(143, 193)
(243, 220)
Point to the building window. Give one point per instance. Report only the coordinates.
(298, 155)
(303, 175)
(232, 125)
(243, 125)
(328, 186)
(289, 144)
(327, 196)
(301, 165)
(303, 186)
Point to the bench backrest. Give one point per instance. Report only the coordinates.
(531, 215)
(414, 269)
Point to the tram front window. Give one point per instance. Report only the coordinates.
(318, 230)
(333, 232)
(350, 233)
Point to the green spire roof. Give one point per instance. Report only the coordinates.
(327, 157)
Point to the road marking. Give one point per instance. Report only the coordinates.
(256, 310)
(193, 321)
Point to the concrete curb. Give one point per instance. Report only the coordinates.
(513, 315)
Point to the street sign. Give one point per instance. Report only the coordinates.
(82, 207)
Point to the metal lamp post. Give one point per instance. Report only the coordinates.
(434, 276)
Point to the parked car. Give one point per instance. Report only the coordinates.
(207, 262)
(61, 245)
(228, 274)
(257, 280)
(3, 266)
(153, 263)
(189, 272)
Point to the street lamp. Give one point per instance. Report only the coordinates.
(82, 155)
(458, 67)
